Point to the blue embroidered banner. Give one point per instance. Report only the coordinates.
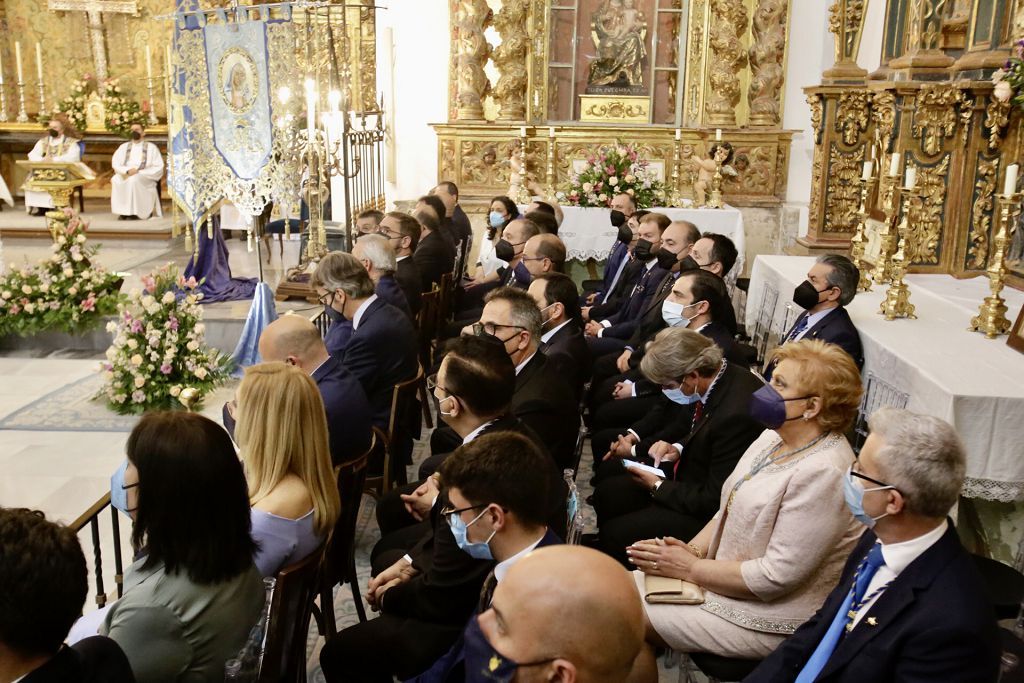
(180, 173)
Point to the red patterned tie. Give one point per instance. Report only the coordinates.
(698, 413)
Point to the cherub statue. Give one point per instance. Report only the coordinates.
(720, 153)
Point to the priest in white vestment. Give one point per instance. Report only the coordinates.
(60, 144)
(138, 167)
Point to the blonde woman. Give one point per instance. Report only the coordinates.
(282, 437)
(777, 545)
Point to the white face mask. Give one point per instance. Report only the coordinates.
(444, 414)
(672, 313)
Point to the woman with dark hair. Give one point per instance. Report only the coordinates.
(193, 594)
(502, 212)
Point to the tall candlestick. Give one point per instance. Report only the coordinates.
(679, 134)
(894, 164)
(17, 60)
(1010, 186)
(911, 180)
(149, 64)
(22, 113)
(39, 61)
(718, 134)
(869, 167)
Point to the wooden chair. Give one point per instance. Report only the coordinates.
(339, 557)
(444, 307)
(284, 656)
(403, 400)
(427, 327)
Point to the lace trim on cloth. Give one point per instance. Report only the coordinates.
(755, 623)
(990, 489)
(584, 254)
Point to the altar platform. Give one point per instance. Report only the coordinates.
(15, 222)
(931, 365)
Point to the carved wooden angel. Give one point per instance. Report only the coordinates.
(721, 152)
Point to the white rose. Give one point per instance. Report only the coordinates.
(30, 308)
(147, 301)
(26, 289)
(44, 288)
(62, 240)
(192, 345)
(200, 329)
(175, 390)
(201, 373)
(136, 360)
(68, 272)
(6, 294)
(111, 326)
(630, 178)
(602, 197)
(613, 181)
(168, 297)
(80, 239)
(588, 187)
(140, 382)
(132, 344)
(76, 257)
(72, 290)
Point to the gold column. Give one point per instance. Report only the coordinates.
(472, 17)
(767, 68)
(728, 57)
(510, 57)
(846, 22)
(924, 33)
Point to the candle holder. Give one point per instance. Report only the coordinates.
(152, 111)
(715, 196)
(22, 114)
(42, 99)
(991, 319)
(896, 303)
(551, 167)
(3, 99)
(887, 236)
(859, 240)
(675, 197)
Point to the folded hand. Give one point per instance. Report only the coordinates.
(663, 557)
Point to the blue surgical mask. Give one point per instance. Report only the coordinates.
(854, 495)
(495, 219)
(672, 313)
(677, 395)
(118, 492)
(483, 662)
(480, 550)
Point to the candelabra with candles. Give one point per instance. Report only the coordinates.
(674, 196)
(896, 303)
(551, 162)
(149, 87)
(714, 199)
(517, 176)
(22, 116)
(859, 240)
(887, 235)
(991, 319)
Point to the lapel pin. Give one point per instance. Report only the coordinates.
(872, 621)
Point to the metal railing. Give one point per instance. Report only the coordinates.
(91, 518)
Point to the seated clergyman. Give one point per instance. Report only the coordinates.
(138, 167)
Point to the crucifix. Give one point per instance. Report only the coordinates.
(94, 10)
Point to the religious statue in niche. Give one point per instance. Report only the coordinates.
(720, 153)
(619, 31)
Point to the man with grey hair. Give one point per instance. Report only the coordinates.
(381, 348)
(378, 257)
(830, 286)
(910, 605)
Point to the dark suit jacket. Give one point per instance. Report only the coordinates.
(463, 229)
(348, 410)
(96, 659)
(715, 331)
(545, 402)
(618, 252)
(934, 623)
(620, 293)
(625, 321)
(835, 328)
(389, 290)
(711, 449)
(381, 353)
(337, 337)
(434, 256)
(407, 275)
(650, 321)
(569, 355)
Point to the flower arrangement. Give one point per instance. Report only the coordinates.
(612, 171)
(1009, 81)
(159, 347)
(121, 112)
(66, 292)
(74, 104)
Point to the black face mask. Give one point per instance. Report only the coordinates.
(625, 235)
(666, 259)
(504, 250)
(688, 264)
(618, 218)
(642, 250)
(136, 135)
(806, 296)
(53, 133)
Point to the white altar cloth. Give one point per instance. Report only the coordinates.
(976, 384)
(588, 232)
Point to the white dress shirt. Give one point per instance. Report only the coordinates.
(362, 309)
(813, 320)
(525, 361)
(546, 337)
(502, 567)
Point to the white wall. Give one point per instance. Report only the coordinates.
(415, 89)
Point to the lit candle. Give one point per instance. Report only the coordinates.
(679, 134)
(551, 131)
(894, 164)
(39, 61)
(1010, 186)
(911, 180)
(718, 134)
(869, 167)
(17, 60)
(149, 64)
(522, 131)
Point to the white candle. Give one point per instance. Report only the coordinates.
(911, 180)
(39, 61)
(894, 164)
(551, 131)
(1010, 185)
(679, 134)
(869, 167)
(522, 131)
(167, 63)
(149, 64)
(718, 134)
(1, 69)
(17, 60)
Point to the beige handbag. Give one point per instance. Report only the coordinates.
(661, 590)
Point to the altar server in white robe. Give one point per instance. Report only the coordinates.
(60, 144)
(138, 167)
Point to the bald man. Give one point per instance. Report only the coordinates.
(544, 254)
(562, 613)
(295, 340)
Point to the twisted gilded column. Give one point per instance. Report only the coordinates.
(472, 17)
(768, 74)
(846, 22)
(727, 58)
(510, 58)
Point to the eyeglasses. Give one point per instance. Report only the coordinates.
(391, 235)
(448, 510)
(535, 258)
(326, 299)
(432, 384)
(480, 329)
(855, 473)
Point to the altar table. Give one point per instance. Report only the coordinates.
(934, 363)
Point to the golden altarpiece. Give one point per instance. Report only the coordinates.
(931, 101)
(566, 76)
